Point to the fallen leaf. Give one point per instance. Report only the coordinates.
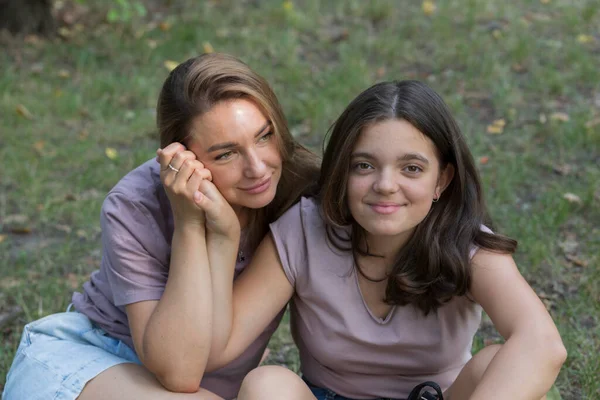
(288, 5)
(2, 238)
(164, 26)
(24, 112)
(37, 68)
(63, 228)
(63, 73)
(73, 280)
(152, 43)
(562, 169)
(380, 72)
(518, 68)
(576, 260)
(428, 7)
(16, 219)
(9, 282)
(572, 198)
(497, 33)
(484, 160)
(65, 32)
(39, 146)
(545, 1)
(208, 48)
(543, 119)
(170, 65)
(559, 116)
(496, 127)
(585, 38)
(21, 230)
(111, 153)
(593, 122)
(569, 246)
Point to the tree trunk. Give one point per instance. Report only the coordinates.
(27, 16)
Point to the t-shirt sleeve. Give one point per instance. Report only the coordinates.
(133, 245)
(475, 248)
(288, 233)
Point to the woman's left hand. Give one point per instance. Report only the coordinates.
(220, 217)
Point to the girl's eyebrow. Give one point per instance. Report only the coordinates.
(229, 145)
(404, 157)
(413, 156)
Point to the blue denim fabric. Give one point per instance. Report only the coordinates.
(326, 394)
(58, 355)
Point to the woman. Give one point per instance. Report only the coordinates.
(388, 270)
(143, 324)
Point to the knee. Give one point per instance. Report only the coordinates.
(272, 382)
(481, 360)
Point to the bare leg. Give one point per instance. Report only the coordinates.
(273, 382)
(132, 381)
(471, 374)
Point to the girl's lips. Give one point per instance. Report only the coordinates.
(385, 208)
(261, 187)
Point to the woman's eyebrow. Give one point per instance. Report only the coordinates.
(229, 145)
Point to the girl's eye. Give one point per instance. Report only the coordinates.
(362, 166)
(413, 169)
(265, 137)
(224, 156)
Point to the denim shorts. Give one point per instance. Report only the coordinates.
(59, 354)
(326, 394)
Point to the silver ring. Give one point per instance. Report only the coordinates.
(172, 168)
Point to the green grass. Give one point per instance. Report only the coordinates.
(520, 61)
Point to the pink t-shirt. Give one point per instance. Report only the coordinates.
(137, 228)
(343, 346)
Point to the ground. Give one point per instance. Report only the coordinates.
(522, 77)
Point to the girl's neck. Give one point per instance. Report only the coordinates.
(387, 246)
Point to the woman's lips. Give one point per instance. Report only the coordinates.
(259, 188)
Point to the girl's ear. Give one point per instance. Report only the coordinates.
(444, 180)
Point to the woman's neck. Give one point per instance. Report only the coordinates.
(243, 215)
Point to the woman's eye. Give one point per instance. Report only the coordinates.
(224, 156)
(265, 137)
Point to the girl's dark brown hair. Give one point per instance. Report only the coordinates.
(434, 265)
(196, 85)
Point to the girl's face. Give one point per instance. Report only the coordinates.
(236, 142)
(394, 178)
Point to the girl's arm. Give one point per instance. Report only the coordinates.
(528, 363)
(172, 336)
(259, 294)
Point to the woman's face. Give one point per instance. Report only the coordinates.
(237, 143)
(394, 177)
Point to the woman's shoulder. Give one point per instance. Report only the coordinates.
(140, 189)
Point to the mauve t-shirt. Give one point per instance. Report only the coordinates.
(343, 346)
(137, 229)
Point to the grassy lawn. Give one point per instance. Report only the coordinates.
(522, 77)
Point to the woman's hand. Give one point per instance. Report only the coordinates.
(193, 196)
(181, 175)
(220, 219)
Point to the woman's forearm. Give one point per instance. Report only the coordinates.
(177, 337)
(222, 256)
(525, 368)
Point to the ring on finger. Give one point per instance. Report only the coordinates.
(172, 168)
